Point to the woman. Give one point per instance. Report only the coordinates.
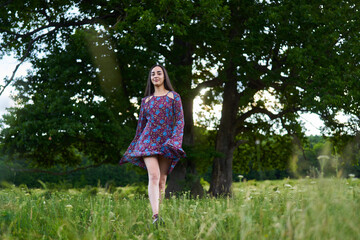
(157, 143)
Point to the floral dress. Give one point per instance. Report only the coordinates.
(159, 131)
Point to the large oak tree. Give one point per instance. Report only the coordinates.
(301, 55)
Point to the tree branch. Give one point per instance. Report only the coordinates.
(30, 44)
(27, 52)
(240, 120)
(240, 142)
(210, 83)
(71, 23)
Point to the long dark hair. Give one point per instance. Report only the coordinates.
(150, 89)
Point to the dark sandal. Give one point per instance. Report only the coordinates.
(158, 221)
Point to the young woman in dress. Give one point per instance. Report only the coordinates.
(157, 145)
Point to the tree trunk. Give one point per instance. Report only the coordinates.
(176, 180)
(225, 141)
(184, 176)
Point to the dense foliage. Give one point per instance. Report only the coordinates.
(273, 61)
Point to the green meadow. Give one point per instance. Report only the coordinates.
(308, 208)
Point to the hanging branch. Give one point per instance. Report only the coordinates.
(27, 52)
(72, 23)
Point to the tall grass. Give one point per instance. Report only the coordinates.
(286, 209)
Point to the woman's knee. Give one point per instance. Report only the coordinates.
(154, 176)
(162, 181)
(153, 169)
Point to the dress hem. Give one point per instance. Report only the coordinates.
(166, 151)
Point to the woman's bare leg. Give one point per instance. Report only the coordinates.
(164, 165)
(153, 169)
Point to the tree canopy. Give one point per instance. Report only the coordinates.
(273, 60)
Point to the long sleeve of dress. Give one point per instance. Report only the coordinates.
(140, 126)
(175, 141)
(142, 120)
(178, 130)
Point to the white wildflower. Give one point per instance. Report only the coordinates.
(248, 198)
(277, 225)
(323, 157)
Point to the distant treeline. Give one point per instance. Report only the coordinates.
(304, 163)
(102, 175)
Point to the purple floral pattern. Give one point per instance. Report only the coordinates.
(159, 131)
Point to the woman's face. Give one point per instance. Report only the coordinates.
(157, 76)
